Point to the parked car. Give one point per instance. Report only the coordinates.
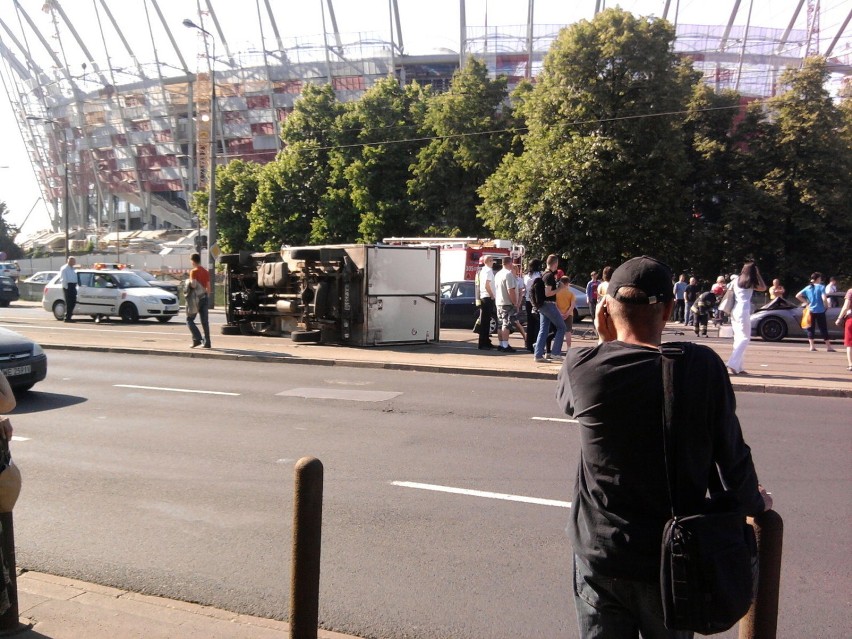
(170, 285)
(22, 361)
(104, 294)
(459, 310)
(32, 287)
(782, 318)
(11, 269)
(8, 290)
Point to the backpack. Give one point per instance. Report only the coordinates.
(537, 296)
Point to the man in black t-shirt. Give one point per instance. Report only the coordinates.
(549, 314)
(691, 295)
(621, 499)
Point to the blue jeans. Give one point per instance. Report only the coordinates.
(205, 324)
(549, 314)
(609, 608)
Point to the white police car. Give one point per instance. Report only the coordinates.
(110, 293)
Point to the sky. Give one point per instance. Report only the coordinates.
(426, 26)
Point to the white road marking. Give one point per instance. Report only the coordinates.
(482, 493)
(15, 438)
(555, 419)
(176, 390)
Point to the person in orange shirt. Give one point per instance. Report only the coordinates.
(196, 290)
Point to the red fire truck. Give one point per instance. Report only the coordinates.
(460, 255)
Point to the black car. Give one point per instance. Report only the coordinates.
(22, 361)
(170, 285)
(8, 290)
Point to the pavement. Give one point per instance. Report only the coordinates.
(59, 608)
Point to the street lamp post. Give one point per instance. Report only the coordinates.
(65, 191)
(211, 175)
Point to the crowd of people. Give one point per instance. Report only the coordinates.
(543, 291)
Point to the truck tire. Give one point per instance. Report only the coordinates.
(306, 337)
(231, 329)
(246, 328)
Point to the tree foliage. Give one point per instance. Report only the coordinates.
(7, 235)
(601, 176)
(471, 129)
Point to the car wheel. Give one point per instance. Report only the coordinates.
(306, 337)
(128, 313)
(4, 303)
(164, 319)
(231, 329)
(59, 310)
(772, 329)
(18, 390)
(577, 318)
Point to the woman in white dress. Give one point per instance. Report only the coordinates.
(743, 286)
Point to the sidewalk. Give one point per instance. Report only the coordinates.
(60, 608)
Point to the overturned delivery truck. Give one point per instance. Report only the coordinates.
(355, 294)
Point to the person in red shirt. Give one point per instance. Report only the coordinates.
(196, 290)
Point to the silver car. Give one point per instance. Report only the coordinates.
(782, 318)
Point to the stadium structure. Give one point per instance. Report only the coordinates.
(113, 98)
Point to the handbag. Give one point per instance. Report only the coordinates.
(10, 476)
(806, 317)
(708, 567)
(728, 301)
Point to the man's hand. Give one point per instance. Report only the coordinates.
(603, 324)
(767, 497)
(6, 428)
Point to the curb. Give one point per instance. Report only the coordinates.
(421, 368)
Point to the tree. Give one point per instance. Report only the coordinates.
(369, 168)
(471, 127)
(237, 186)
(804, 159)
(601, 176)
(7, 236)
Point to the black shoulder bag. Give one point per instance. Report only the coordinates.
(708, 568)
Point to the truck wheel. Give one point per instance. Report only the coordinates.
(59, 310)
(4, 303)
(306, 337)
(245, 328)
(231, 329)
(128, 313)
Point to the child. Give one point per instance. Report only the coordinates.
(702, 309)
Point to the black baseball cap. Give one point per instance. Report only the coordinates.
(647, 274)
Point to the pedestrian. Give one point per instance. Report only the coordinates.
(845, 317)
(814, 298)
(776, 290)
(748, 281)
(690, 294)
(592, 291)
(487, 309)
(565, 301)
(606, 273)
(830, 291)
(704, 306)
(680, 302)
(196, 290)
(533, 273)
(549, 314)
(68, 277)
(517, 271)
(621, 498)
(506, 300)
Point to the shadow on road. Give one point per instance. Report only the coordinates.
(36, 402)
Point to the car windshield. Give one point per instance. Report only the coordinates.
(130, 280)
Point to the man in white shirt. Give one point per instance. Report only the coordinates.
(487, 309)
(506, 297)
(68, 277)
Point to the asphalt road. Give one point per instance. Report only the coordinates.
(174, 477)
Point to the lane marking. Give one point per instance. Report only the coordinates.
(176, 390)
(481, 493)
(555, 419)
(16, 438)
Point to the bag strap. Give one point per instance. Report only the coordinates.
(671, 354)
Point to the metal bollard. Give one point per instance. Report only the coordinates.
(761, 621)
(307, 537)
